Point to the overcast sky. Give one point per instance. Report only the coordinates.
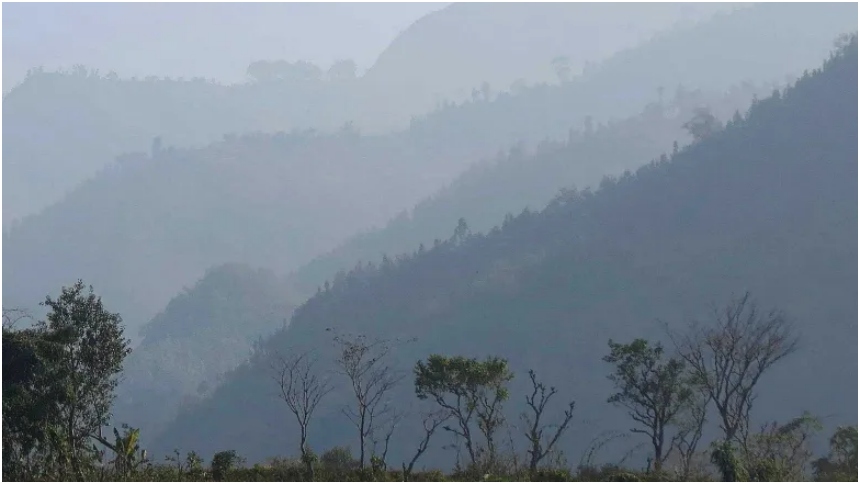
(213, 40)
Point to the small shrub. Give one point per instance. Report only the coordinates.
(224, 462)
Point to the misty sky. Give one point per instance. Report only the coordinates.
(213, 40)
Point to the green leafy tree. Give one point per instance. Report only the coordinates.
(841, 462)
(86, 365)
(30, 399)
(468, 390)
(781, 452)
(126, 448)
(224, 462)
(651, 388)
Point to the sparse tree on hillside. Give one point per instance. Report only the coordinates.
(703, 124)
(302, 389)
(467, 389)
(652, 390)
(562, 67)
(534, 432)
(342, 70)
(729, 358)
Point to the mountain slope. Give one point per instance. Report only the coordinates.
(623, 50)
(90, 118)
(484, 195)
(148, 225)
(144, 227)
(465, 44)
(768, 205)
(203, 333)
(487, 191)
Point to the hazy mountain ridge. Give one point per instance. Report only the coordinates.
(93, 118)
(488, 191)
(203, 333)
(163, 210)
(752, 207)
(147, 225)
(448, 52)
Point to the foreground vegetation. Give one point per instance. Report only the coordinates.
(59, 379)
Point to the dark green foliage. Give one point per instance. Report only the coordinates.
(338, 461)
(468, 390)
(223, 463)
(841, 462)
(59, 379)
(653, 390)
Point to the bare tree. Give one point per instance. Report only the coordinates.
(729, 358)
(690, 427)
(11, 317)
(431, 422)
(371, 378)
(389, 426)
(302, 390)
(537, 403)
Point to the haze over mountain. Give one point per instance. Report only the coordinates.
(516, 181)
(767, 205)
(92, 118)
(449, 52)
(484, 194)
(138, 224)
(204, 332)
(214, 41)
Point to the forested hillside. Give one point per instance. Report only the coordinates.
(766, 204)
(258, 187)
(150, 224)
(203, 333)
(92, 118)
(483, 195)
(517, 179)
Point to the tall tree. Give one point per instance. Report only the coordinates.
(537, 402)
(87, 367)
(371, 376)
(302, 389)
(651, 388)
(729, 358)
(467, 389)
